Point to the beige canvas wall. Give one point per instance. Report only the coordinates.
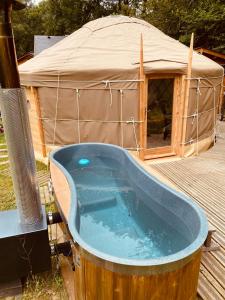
(110, 114)
(90, 115)
(204, 99)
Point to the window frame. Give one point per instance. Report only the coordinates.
(174, 148)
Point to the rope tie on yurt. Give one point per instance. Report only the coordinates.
(91, 81)
(198, 87)
(210, 77)
(78, 114)
(113, 121)
(128, 148)
(200, 113)
(93, 120)
(188, 142)
(193, 140)
(56, 109)
(121, 116)
(194, 116)
(135, 135)
(108, 85)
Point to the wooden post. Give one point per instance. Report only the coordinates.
(187, 91)
(142, 106)
(180, 109)
(222, 90)
(40, 125)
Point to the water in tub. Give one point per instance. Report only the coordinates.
(113, 217)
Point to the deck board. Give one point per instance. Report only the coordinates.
(203, 179)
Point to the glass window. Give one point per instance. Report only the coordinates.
(159, 112)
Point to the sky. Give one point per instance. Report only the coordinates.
(36, 1)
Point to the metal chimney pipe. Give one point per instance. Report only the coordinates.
(15, 117)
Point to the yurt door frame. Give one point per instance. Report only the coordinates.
(169, 147)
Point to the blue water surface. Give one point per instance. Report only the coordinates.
(116, 218)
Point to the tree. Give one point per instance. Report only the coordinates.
(206, 18)
(168, 15)
(62, 17)
(176, 18)
(27, 23)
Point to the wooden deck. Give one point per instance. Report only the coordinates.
(203, 179)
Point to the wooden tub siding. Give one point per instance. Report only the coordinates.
(94, 282)
(61, 189)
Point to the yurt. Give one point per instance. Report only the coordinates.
(122, 81)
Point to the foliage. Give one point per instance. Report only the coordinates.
(7, 196)
(45, 286)
(63, 17)
(176, 18)
(168, 15)
(203, 17)
(208, 22)
(26, 24)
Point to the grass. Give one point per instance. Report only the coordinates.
(45, 286)
(7, 197)
(40, 166)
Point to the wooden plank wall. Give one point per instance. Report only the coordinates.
(93, 281)
(34, 121)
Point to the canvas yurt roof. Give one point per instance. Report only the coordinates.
(109, 48)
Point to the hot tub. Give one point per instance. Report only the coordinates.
(134, 237)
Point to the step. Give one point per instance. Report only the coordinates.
(97, 204)
(3, 150)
